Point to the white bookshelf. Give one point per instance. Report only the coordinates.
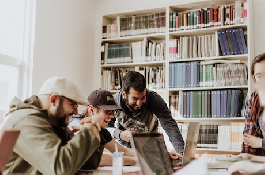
(166, 35)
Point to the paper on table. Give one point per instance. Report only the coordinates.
(126, 169)
(197, 166)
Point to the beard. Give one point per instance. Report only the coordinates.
(60, 115)
(131, 107)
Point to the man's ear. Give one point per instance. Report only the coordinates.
(53, 99)
(123, 94)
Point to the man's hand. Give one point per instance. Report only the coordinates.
(174, 155)
(243, 156)
(126, 135)
(254, 142)
(75, 128)
(245, 167)
(93, 126)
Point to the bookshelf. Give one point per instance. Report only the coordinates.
(133, 27)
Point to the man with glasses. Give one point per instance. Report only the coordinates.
(102, 109)
(46, 145)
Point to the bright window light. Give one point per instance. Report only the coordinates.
(8, 85)
(17, 19)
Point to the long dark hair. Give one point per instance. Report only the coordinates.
(255, 108)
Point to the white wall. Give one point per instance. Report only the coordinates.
(259, 27)
(64, 42)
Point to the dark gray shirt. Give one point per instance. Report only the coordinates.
(146, 120)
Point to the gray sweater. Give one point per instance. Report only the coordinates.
(146, 120)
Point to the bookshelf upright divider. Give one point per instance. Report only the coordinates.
(195, 55)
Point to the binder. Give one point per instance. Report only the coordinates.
(218, 104)
(226, 45)
(228, 104)
(221, 43)
(236, 100)
(238, 37)
(229, 42)
(199, 104)
(170, 76)
(188, 104)
(243, 41)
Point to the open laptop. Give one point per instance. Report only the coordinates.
(152, 155)
(7, 143)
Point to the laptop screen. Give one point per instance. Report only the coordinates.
(191, 142)
(152, 154)
(7, 142)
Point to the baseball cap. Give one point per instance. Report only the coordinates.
(102, 99)
(63, 87)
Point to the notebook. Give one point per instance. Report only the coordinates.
(152, 155)
(7, 143)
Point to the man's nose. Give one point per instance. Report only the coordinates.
(139, 103)
(75, 111)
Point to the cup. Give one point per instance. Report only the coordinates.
(117, 163)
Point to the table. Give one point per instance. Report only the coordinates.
(107, 170)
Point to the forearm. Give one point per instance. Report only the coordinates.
(129, 152)
(106, 160)
(174, 135)
(128, 160)
(258, 158)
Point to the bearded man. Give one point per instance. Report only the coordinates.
(141, 110)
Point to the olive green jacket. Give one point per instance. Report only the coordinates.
(44, 149)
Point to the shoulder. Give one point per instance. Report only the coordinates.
(106, 134)
(153, 97)
(254, 95)
(118, 98)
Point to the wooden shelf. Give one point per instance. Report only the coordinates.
(204, 31)
(147, 63)
(219, 121)
(229, 57)
(207, 88)
(158, 36)
(216, 151)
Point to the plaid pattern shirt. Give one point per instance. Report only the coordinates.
(252, 127)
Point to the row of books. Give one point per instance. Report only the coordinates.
(136, 52)
(196, 74)
(135, 25)
(116, 53)
(155, 76)
(148, 50)
(112, 79)
(208, 104)
(225, 137)
(193, 47)
(232, 41)
(233, 14)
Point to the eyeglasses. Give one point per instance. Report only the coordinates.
(110, 112)
(72, 103)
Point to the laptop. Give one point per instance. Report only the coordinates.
(152, 155)
(7, 143)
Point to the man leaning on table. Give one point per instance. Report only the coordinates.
(46, 145)
(141, 110)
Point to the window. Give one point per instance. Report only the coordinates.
(17, 20)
